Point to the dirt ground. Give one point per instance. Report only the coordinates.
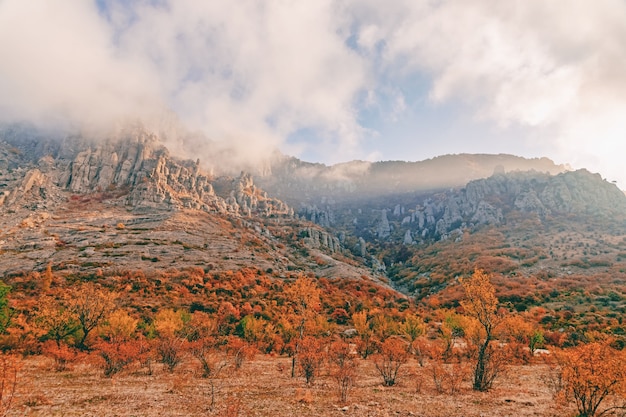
(264, 387)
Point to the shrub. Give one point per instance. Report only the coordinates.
(591, 376)
(393, 354)
(344, 367)
(310, 358)
(9, 366)
(116, 356)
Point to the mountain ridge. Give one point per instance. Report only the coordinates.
(95, 206)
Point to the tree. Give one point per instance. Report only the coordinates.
(117, 350)
(91, 306)
(591, 375)
(56, 320)
(412, 328)
(303, 298)
(5, 311)
(481, 303)
(9, 366)
(311, 357)
(169, 324)
(393, 354)
(362, 326)
(343, 367)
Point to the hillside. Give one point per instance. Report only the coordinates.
(126, 203)
(84, 206)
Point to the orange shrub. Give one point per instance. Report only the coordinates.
(393, 354)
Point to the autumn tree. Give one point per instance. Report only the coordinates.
(168, 325)
(56, 320)
(454, 327)
(58, 325)
(344, 367)
(118, 349)
(523, 337)
(303, 298)
(9, 367)
(366, 335)
(411, 328)
(311, 357)
(393, 354)
(481, 303)
(90, 305)
(592, 376)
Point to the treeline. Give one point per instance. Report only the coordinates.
(219, 321)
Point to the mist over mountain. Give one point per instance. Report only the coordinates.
(93, 204)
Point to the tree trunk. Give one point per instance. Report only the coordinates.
(480, 384)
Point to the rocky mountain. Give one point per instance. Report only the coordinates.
(83, 205)
(125, 202)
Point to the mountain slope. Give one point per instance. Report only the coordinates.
(125, 202)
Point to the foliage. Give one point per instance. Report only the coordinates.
(5, 311)
(117, 355)
(592, 375)
(311, 357)
(344, 367)
(9, 367)
(91, 306)
(56, 320)
(481, 303)
(393, 354)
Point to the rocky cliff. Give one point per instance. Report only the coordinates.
(82, 202)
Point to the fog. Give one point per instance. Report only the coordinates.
(242, 79)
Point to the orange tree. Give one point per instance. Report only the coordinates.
(592, 375)
(481, 303)
(303, 300)
(393, 354)
(90, 305)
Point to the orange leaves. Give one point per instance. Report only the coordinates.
(344, 367)
(310, 357)
(393, 354)
(9, 366)
(592, 375)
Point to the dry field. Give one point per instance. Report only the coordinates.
(263, 387)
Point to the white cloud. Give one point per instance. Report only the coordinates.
(249, 74)
(246, 73)
(59, 66)
(557, 67)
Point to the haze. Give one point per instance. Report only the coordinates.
(330, 80)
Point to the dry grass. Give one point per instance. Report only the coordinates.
(264, 387)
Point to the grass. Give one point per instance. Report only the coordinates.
(263, 387)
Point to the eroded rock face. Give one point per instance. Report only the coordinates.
(447, 214)
(136, 163)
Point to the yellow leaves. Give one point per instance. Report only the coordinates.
(304, 295)
(413, 327)
(168, 322)
(120, 326)
(360, 323)
(481, 301)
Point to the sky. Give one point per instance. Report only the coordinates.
(331, 80)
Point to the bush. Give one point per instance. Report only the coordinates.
(393, 354)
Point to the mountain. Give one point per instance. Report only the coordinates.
(299, 182)
(125, 202)
(85, 206)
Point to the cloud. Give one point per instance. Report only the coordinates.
(558, 67)
(247, 74)
(59, 67)
(250, 75)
